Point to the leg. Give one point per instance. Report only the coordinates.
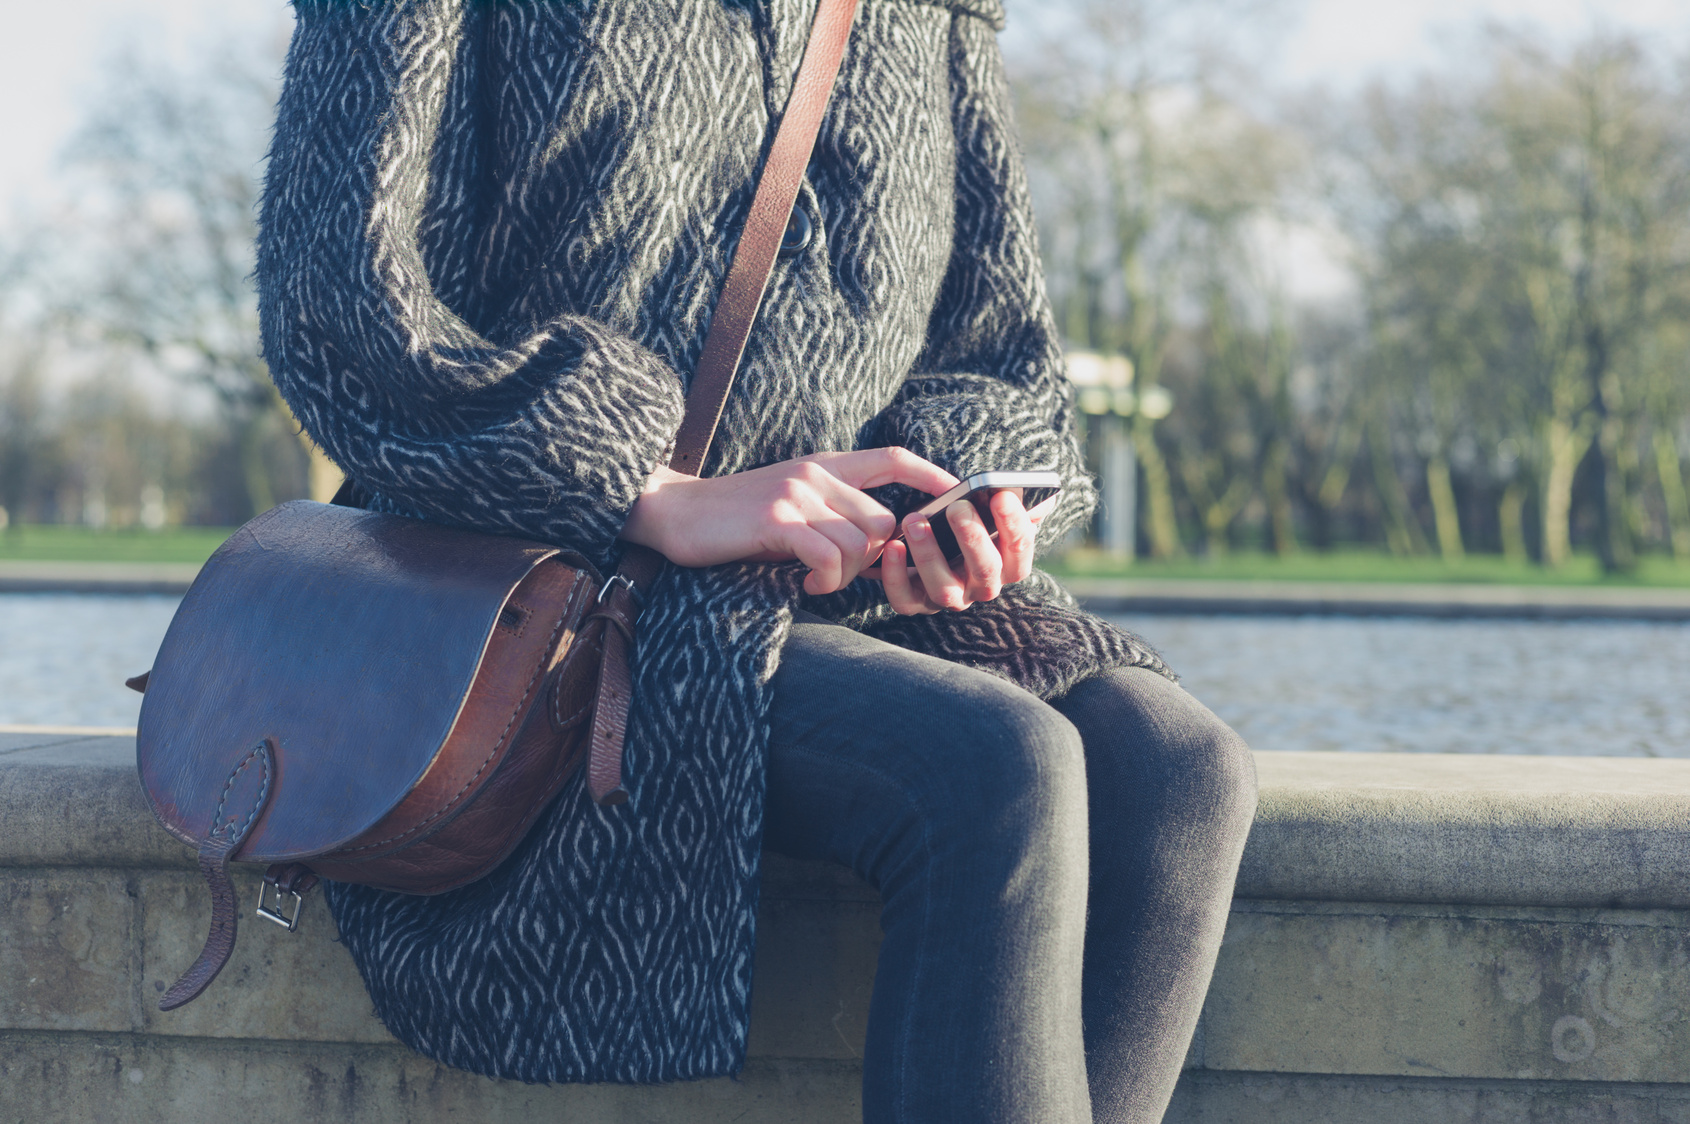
(962, 799)
(1172, 793)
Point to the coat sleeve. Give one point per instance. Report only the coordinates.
(550, 435)
(989, 390)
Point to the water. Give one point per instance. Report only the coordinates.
(1335, 683)
(64, 656)
(1589, 688)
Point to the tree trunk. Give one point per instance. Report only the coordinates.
(1336, 481)
(1402, 531)
(1564, 446)
(1160, 525)
(1671, 472)
(1276, 488)
(1618, 547)
(1219, 513)
(322, 476)
(255, 472)
(1511, 519)
(1445, 513)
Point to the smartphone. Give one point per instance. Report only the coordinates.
(1037, 488)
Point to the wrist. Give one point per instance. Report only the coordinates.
(646, 521)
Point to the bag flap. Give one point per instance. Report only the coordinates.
(348, 639)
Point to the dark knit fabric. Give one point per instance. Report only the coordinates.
(492, 235)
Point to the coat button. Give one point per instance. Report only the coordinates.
(799, 231)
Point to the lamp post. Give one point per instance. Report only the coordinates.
(1105, 394)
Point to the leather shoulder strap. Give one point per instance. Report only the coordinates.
(759, 244)
(736, 309)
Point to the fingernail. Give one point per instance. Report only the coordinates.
(918, 530)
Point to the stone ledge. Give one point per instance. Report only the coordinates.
(1418, 938)
(1484, 992)
(1451, 828)
(1302, 1098)
(1497, 830)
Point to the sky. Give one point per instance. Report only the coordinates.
(1343, 43)
(51, 56)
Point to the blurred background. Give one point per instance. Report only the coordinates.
(1413, 281)
(1351, 292)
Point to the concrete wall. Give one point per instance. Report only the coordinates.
(1416, 938)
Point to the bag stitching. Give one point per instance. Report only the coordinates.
(494, 752)
(261, 751)
(557, 698)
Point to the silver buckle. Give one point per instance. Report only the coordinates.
(274, 913)
(615, 580)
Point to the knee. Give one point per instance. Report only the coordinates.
(1167, 755)
(1219, 774)
(1020, 789)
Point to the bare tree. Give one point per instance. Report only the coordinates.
(1528, 242)
(170, 164)
(1148, 175)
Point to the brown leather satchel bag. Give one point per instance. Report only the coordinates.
(386, 701)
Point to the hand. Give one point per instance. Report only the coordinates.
(812, 509)
(983, 568)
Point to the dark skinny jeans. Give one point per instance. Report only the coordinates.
(1055, 877)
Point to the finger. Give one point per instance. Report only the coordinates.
(819, 553)
(870, 468)
(1016, 534)
(824, 496)
(871, 519)
(943, 588)
(848, 538)
(1043, 508)
(901, 593)
(980, 559)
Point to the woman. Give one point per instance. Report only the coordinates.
(492, 235)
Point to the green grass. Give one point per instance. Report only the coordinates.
(1357, 564)
(56, 543)
(61, 543)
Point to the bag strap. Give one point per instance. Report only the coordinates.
(759, 244)
(724, 346)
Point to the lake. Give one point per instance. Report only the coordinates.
(1334, 683)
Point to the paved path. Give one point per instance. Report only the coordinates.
(1115, 595)
(96, 577)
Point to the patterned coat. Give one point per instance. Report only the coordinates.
(492, 233)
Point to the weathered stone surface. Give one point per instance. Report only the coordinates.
(815, 969)
(67, 801)
(278, 985)
(1338, 998)
(1411, 827)
(66, 944)
(814, 975)
(14, 739)
(149, 1080)
(1450, 827)
(1452, 993)
(1249, 1098)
